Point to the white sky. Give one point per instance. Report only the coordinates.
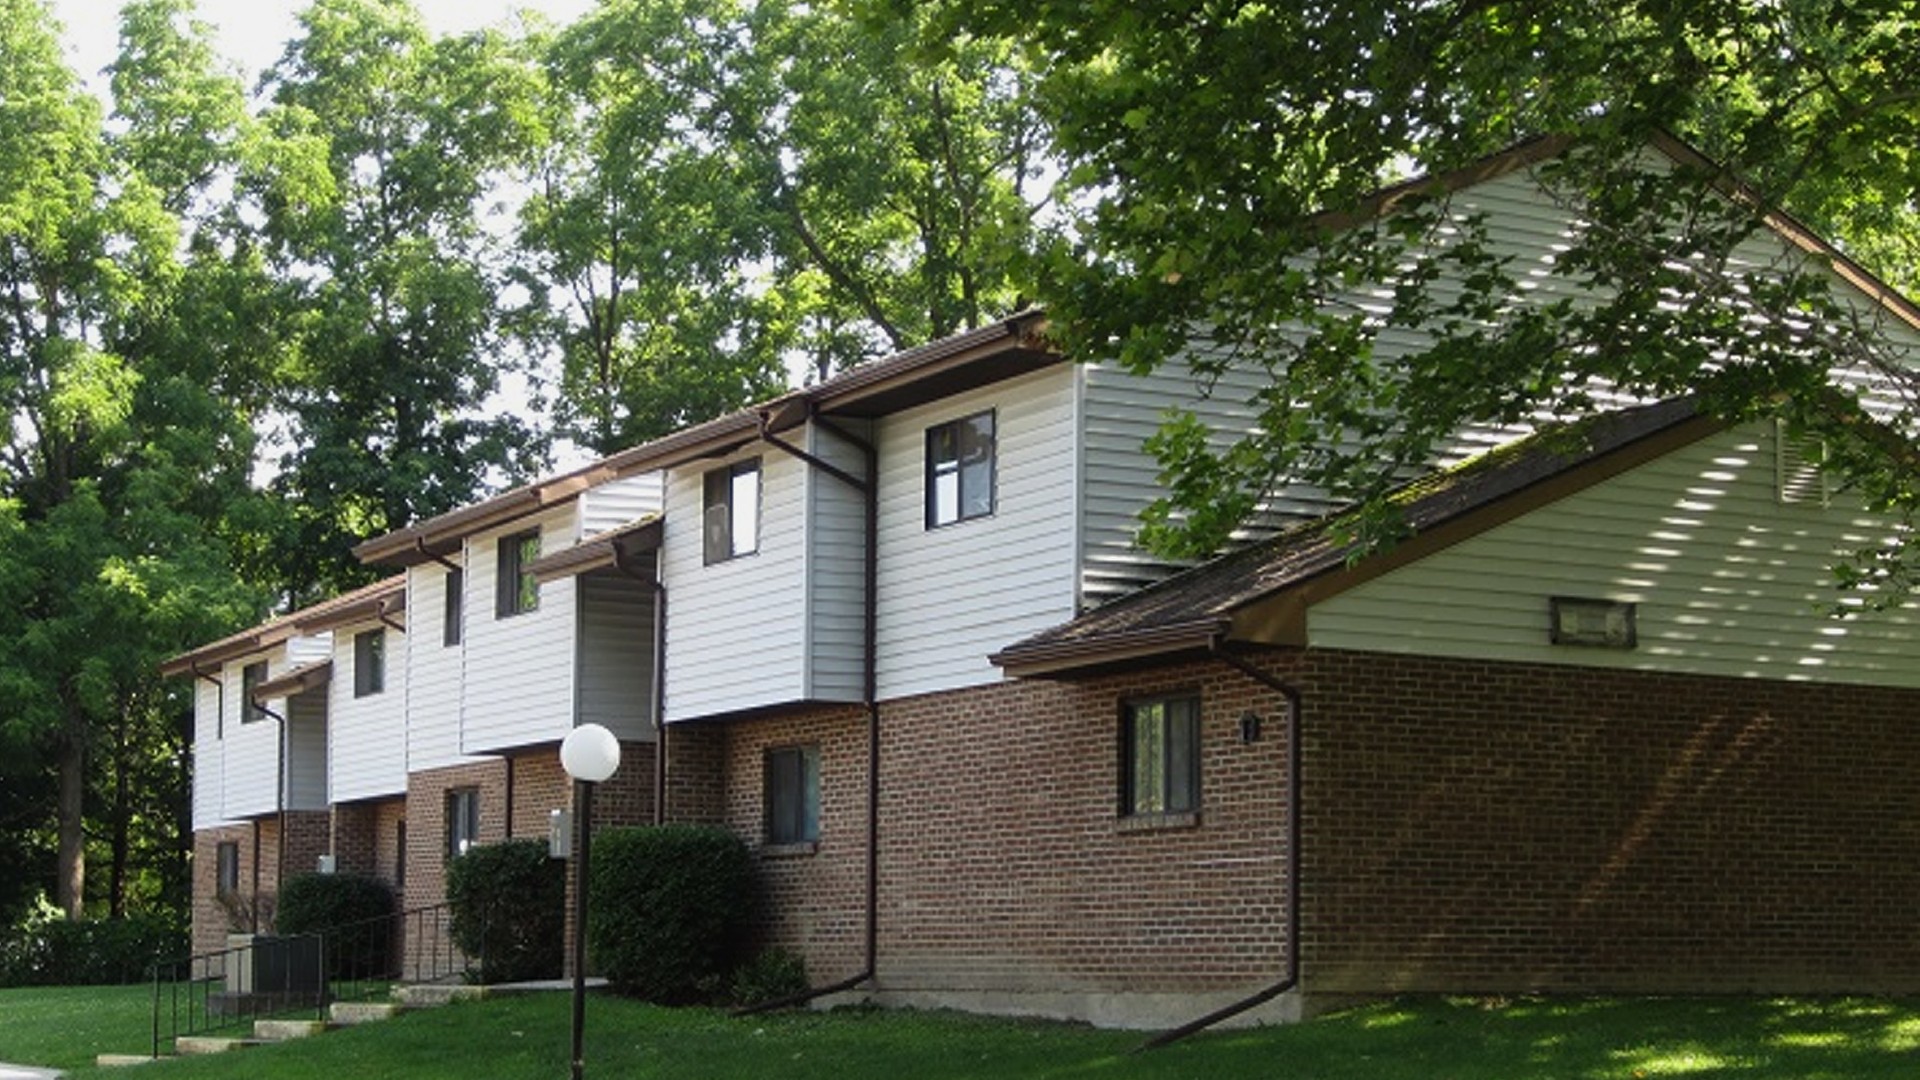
(252, 33)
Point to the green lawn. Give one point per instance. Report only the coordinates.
(1427, 1039)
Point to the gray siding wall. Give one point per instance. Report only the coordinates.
(1728, 581)
(616, 654)
(518, 687)
(306, 750)
(366, 736)
(836, 568)
(613, 504)
(949, 596)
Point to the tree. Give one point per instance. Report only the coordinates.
(1224, 159)
(385, 144)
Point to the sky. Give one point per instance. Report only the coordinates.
(252, 33)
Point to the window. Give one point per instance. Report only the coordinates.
(960, 470)
(732, 511)
(519, 590)
(369, 662)
(453, 609)
(226, 868)
(793, 795)
(1160, 756)
(400, 857)
(463, 820)
(251, 676)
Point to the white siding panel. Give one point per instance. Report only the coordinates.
(308, 648)
(616, 654)
(207, 756)
(836, 569)
(611, 505)
(950, 596)
(434, 668)
(518, 688)
(366, 736)
(306, 750)
(735, 630)
(251, 748)
(1727, 580)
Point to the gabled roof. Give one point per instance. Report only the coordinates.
(382, 598)
(999, 350)
(1260, 593)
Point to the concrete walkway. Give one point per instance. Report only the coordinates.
(26, 1072)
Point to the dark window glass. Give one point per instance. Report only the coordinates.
(463, 820)
(226, 874)
(454, 607)
(793, 795)
(731, 510)
(960, 470)
(369, 662)
(519, 590)
(1160, 756)
(251, 676)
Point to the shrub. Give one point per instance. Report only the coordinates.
(509, 909)
(771, 975)
(354, 912)
(103, 952)
(669, 907)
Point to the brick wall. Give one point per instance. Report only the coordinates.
(1516, 827)
(264, 862)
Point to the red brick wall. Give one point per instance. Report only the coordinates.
(264, 862)
(1515, 827)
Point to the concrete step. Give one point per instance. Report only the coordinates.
(282, 1030)
(117, 1061)
(431, 995)
(348, 1013)
(208, 1044)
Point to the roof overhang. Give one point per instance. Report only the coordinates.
(378, 600)
(294, 681)
(599, 552)
(1091, 655)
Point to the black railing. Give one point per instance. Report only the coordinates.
(292, 976)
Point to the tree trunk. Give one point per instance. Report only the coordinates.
(122, 816)
(70, 872)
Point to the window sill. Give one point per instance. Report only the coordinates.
(1189, 819)
(789, 851)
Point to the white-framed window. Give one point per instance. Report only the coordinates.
(453, 607)
(370, 662)
(251, 676)
(793, 795)
(1160, 755)
(960, 467)
(518, 591)
(731, 510)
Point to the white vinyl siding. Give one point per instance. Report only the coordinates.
(616, 653)
(208, 757)
(619, 502)
(1727, 580)
(250, 752)
(518, 687)
(736, 629)
(366, 736)
(433, 670)
(306, 750)
(950, 596)
(836, 568)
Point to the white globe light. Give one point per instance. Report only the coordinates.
(590, 753)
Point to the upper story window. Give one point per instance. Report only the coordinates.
(960, 469)
(793, 795)
(454, 607)
(1160, 756)
(732, 510)
(251, 676)
(369, 662)
(519, 590)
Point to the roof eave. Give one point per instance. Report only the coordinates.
(1058, 659)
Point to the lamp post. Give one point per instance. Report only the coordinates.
(589, 754)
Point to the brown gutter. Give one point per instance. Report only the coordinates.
(1058, 658)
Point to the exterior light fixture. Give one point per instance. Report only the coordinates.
(589, 754)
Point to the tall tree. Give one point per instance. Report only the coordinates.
(1222, 156)
(386, 145)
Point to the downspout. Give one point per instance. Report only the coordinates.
(1291, 977)
(279, 808)
(623, 562)
(869, 489)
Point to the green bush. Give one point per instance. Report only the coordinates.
(772, 974)
(97, 953)
(355, 914)
(509, 909)
(670, 905)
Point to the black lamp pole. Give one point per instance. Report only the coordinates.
(582, 795)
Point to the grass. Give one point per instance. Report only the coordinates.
(1428, 1039)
